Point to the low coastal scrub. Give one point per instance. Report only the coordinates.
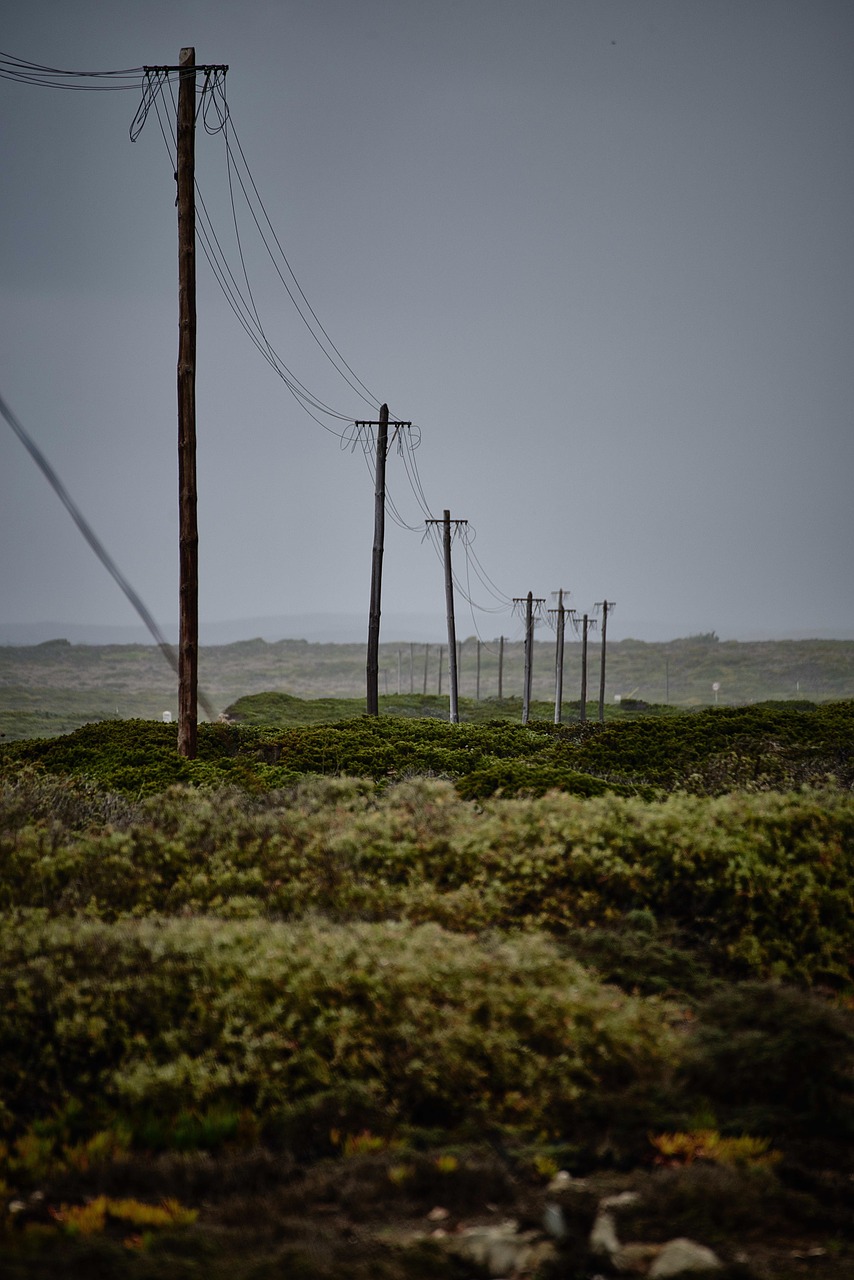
(335, 973)
(758, 748)
(760, 884)
(311, 1028)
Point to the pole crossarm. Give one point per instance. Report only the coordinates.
(213, 66)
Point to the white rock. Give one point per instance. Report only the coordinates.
(603, 1237)
(554, 1223)
(681, 1255)
(621, 1201)
(502, 1251)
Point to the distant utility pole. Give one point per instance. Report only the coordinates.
(426, 660)
(605, 606)
(586, 624)
(477, 677)
(441, 660)
(560, 628)
(446, 523)
(529, 602)
(373, 662)
(500, 668)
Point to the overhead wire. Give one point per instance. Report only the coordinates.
(14, 68)
(225, 278)
(215, 113)
(98, 547)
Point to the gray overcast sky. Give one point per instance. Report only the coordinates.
(599, 251)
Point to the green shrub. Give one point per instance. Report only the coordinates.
(755, 884)
(166, 1019)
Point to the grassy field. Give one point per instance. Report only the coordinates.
(54, 687)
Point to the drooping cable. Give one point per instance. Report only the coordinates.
(13, 68)
(98, 547)
(230, 288)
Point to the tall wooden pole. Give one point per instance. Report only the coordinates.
(452, 626)
(561, 623)
(500, 668)
(602, 663)
(373, 664)
(583, 707)
(477, 677)
(188, 643)
(529, 656)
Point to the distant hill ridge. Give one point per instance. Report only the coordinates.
(351, 628)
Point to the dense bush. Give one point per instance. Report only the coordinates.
(761, 884)
(378, 1024)
(773, 747)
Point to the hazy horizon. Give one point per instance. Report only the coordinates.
(347, 629)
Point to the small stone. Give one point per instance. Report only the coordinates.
(635, 1259)
(438, 1214)
(554, 1223)
(603, 1237)
(502, 1251)
(682, 1255)
(621, 1201)
(562, 1180)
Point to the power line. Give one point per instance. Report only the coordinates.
(213, 108)
(13, 68)
(96, 545)
(223, 274)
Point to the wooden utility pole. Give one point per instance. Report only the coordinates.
(477, 677)
(529, 657)
(500, 668)
(453, 671)
(560, 627)
(606, 605)
(373, 664)
(528, 601)
(586, 623)
(453, 652)
(188, 553)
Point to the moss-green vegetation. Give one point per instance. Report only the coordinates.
(774, 746)
(380, 965)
